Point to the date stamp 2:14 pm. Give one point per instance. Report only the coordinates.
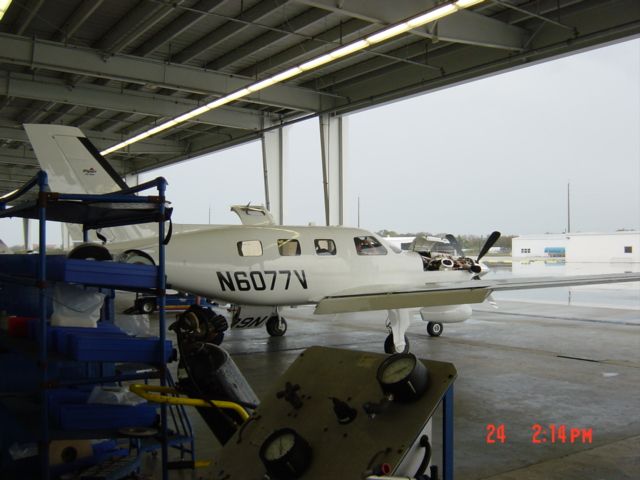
(543, 434)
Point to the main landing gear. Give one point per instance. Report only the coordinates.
(434, 329)
(276, 326)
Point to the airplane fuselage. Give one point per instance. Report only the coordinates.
(281, 265)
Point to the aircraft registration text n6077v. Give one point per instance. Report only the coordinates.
(257, 280)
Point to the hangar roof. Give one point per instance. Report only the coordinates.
(116, 68)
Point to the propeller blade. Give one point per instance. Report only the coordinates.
(493, 238)
(453, 241)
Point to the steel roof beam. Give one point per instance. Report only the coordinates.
(226, 30)
(102, 140)
(306, 49)
(76, 20)
(186, 20)
(137, 21)
(414, 52)
(26, 16)
(84, 61)
(108, 98)
(306, 18)
(464, 27)
(17, 156)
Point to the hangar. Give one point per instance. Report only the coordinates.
(131, 74)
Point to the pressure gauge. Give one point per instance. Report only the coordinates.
(285, 454)
(403, 376)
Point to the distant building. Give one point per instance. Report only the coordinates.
(545, 245)
(604, 247)
(580, 247)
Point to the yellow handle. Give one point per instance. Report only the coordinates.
(158, 397)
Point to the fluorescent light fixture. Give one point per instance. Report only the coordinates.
(316, 62)
(292, 72)
(349, 49)
(433, 15)
(390, 32)
(193, 113)
(267, 82)
(467, 3)
(7, 195)
(4, 5)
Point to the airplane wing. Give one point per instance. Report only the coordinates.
(451, 293)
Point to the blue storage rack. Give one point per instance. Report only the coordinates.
(92, 212)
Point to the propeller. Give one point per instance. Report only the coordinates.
(493, 238)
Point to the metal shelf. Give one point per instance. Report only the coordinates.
(124, 207)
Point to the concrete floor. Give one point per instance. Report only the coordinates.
(524, 364)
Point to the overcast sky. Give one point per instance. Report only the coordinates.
(496, 153)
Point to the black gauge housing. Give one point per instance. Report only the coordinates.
(293, 462)
(403, 376)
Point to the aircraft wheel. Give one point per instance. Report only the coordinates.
(434, 329)
(276, 327)
(390, 347)
(147, 306)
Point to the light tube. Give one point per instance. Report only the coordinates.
(388, 33)
(4, 6)
(323, 59)
(348, 49)
(433, 15)
(467, 3)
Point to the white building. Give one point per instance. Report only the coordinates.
(580, 247)
(543, 245)
(604, 247)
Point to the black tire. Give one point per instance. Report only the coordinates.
(147, 306)
(276, 327)
(90, 251)
(434, 329)
(390, 347)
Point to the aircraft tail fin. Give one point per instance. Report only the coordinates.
(4, 248)
(74, 165)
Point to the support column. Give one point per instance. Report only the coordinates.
(132, 179)
(332, 134)
(273, 143)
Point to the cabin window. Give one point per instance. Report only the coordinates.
(628, 249)
(525, 250)
(325, 246)
(368, 245)
(250, 248)
(289, 247)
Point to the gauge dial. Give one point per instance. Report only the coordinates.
(285, 454)
(398, 370)
(403, 376)
(279, 446)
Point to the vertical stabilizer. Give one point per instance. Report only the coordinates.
(72, 162)
(74, 165)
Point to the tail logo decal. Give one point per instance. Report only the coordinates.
(89, 171)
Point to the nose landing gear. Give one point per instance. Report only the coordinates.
(276, 326)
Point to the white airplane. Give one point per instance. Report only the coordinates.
(260, 264)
